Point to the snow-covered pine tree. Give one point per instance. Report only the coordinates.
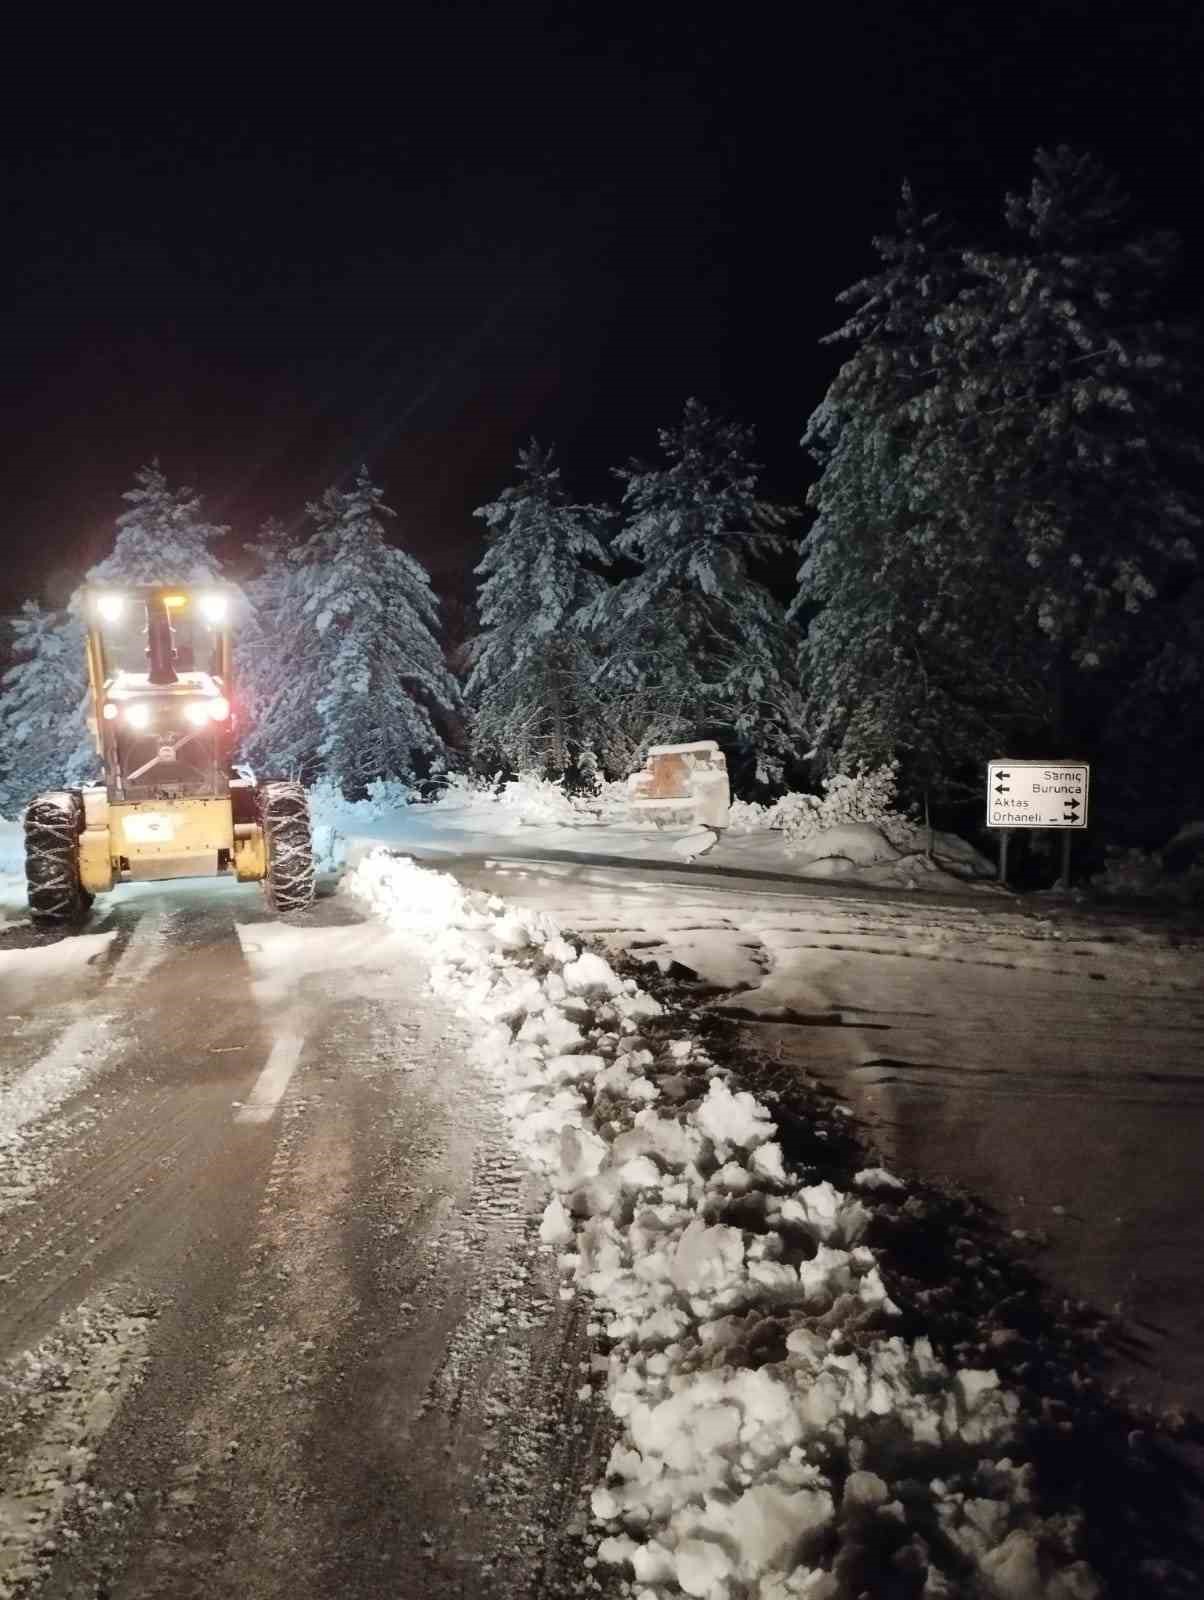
(907, 652)
(530, 686)
(44, 743)
(164, 537)
(695, 631)
(1069, 390)
(262, 667)
(365, 673)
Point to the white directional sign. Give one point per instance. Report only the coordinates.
(1037, 794)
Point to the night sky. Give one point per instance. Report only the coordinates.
(417, 249)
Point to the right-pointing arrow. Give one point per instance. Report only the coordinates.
(1072, 807)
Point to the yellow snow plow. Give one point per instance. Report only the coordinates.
(171, 804)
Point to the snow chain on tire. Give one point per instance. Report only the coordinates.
(284, 814)
(53, 824)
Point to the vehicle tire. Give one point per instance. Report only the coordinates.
(53, 824)
(288, 842)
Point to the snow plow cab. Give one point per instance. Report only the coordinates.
(170, 804)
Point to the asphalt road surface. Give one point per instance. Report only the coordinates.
(273, 1319)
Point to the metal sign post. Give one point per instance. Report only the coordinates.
(1037, 794)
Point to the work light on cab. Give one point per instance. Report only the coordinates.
(214, 607)
(110, 607)
(199, 712)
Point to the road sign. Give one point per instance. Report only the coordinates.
(1037, 794)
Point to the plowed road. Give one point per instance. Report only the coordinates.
(272, 1317)
(271, 1314)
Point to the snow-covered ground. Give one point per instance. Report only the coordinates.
(12, 871)
(778, 1435)
(536, 817)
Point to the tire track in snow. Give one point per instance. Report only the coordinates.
(56, 1403)
(132, 1184)
(77, 1056)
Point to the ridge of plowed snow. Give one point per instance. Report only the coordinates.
(774, 1428)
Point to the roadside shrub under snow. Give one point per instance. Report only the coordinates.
(861, 796)
(538, 801)
(1144, 875)
(334, 816)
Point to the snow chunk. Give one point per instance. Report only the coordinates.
(639, 1173)
(864, 1490)
(738, 1120)
(701, 1565)
(826, 1214)
(571, 1069)
(988, 1411)
(553, 1029)
(582, 1155)
(708, 1260)
(766, 1162)
(877, 1178)
(765, 1525)
(973, 1383)
(1012, 1570)
(672, 1143)
(558, 949)
(557, 1226)
(511, 932)
(591, 975)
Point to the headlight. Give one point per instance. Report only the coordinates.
(214, 607)
(199, 712)
(138, 715)
(110, 607)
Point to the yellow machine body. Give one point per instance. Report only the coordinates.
(185, 837)
(163, 811)
(173, 803)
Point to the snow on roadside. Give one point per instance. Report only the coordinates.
(533, 814)
(12, 846)
(66, 1066)
(12, 871)
(777, 1438)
